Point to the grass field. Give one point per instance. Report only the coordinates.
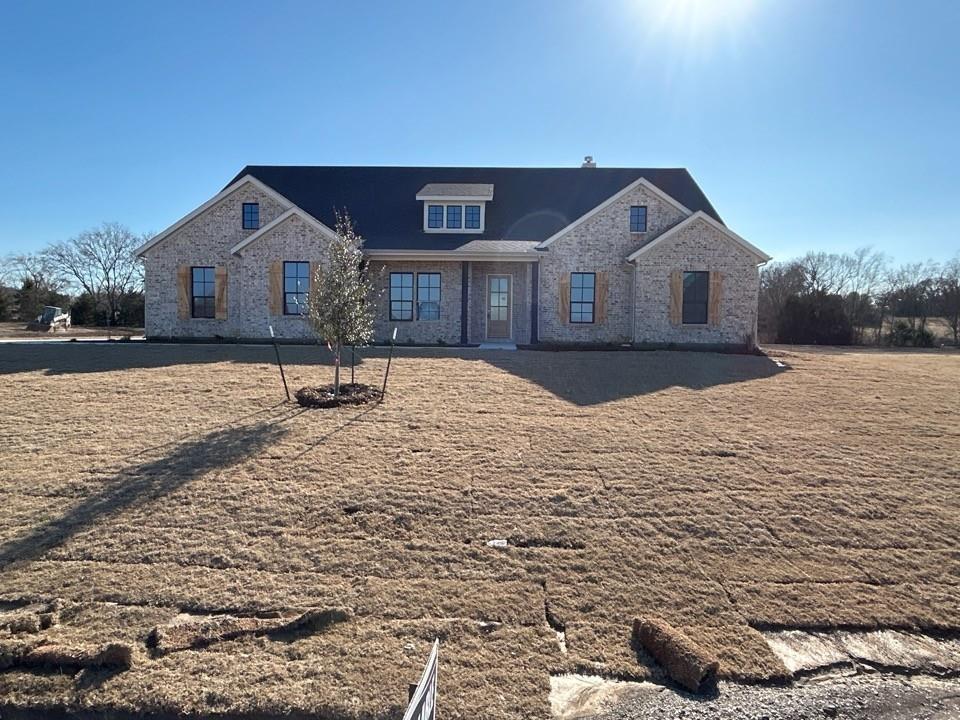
(723, 493)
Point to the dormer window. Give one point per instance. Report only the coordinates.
(471, 217)
(455, 207)
(454, 217)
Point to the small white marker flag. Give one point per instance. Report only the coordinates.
(423, 704)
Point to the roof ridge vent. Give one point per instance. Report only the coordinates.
(588, 162)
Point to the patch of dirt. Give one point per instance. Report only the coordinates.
(324, 397)
(893, 650)
(19, 330)
(191, 632)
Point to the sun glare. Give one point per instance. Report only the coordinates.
(696, 26)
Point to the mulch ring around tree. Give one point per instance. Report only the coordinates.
(350, 394)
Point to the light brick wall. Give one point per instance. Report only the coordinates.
(520, 299)
(293, 240)
(600, 244)
(697, 247)
(446, 329)
(204, 241)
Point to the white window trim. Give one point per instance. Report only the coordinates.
(462, 204)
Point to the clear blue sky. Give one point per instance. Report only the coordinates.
(811, 124)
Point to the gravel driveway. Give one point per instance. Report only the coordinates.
(861, 697)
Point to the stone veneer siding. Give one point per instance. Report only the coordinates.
(697, 247)
(446, 329)
(520, 299)
(602, 243)
(204, 241)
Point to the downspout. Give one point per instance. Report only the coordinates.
(633, 305)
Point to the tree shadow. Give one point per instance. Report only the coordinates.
(146, 482)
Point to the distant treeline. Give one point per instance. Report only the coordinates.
(842, 299)
(95, 274)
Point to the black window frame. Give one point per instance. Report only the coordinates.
(467, 220)
(251, 216)
(695, 304)
(430, 219)
(577, 306)
(209, 300)
(429, 288)
(400, 301)
(635, 217)
(297, 277)
(459, 216)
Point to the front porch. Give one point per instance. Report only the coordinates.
(457, 302)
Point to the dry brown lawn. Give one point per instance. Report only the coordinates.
(720, 492)
(19, 330)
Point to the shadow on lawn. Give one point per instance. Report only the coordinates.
(590, 378)
(146, 482)
(78, 358)
(580, 377)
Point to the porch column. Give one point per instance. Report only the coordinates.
(534, 303)
(464, 300)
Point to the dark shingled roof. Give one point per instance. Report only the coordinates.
(529, 203)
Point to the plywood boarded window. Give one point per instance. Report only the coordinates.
(716, 297)
(275, 288)
(220, 292)
(676, 297)
(183, 292)
(603, 288)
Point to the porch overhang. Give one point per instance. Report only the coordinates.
(452, 256)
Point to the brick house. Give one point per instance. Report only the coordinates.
(465, 256)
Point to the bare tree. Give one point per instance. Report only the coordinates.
(6, 270)
(340, 304)
(863, 274)
(948, 295)
(101, 262)
(37, 283)
(910, 292)
(778, 282)
(825, 273)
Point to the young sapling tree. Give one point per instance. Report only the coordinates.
(340, 304)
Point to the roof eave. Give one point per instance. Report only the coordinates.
(454, 255)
